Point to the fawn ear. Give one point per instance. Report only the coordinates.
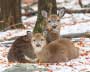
(29, 34)
(61, 12)
(44, 13)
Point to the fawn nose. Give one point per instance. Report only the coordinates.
(38, 45)
(54, 26)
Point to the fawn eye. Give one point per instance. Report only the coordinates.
(34, 40)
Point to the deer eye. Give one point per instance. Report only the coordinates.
(49, 21)
(42, 39)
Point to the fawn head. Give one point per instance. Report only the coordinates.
(38, 41)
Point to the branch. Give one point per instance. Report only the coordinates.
(81, 10)
(29, 14)
(76, 35)
(80, 3)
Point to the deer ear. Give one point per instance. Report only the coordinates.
(44, 13)
(61, 12)
(29, 34)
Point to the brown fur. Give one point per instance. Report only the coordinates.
(21, 46)
(60, 50)
(51, 36)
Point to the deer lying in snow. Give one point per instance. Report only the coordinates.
(21, 50)
(59, 50)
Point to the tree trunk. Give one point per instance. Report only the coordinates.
(44, 5)
(10, 13)
(15, 16)
(4, 13)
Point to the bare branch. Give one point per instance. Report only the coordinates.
(80, 3)
(76, 35)
(82, 10)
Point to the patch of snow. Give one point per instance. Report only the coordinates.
(29, 20)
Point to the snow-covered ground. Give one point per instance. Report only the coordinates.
(74, 23)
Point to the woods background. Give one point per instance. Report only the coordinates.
(11, 12)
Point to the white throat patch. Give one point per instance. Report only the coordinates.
(38, 49)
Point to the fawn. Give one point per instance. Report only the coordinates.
(21, 50)
(59, 50)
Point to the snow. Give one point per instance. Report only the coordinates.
(78, 28)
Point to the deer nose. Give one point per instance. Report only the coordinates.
(38, 45)
(54, 26)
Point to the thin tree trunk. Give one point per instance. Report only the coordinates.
(76, 35)
(10, 13)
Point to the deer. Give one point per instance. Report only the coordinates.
(59, 50)
(21, 50)
(52, 24)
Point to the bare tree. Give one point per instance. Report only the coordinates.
(10, 13)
